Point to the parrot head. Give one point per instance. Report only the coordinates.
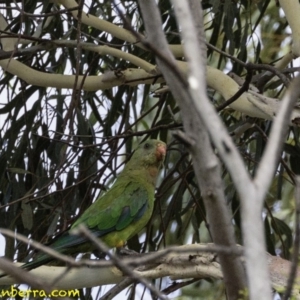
(149, 156)
(151, 153)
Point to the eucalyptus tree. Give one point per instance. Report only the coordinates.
(82, 83)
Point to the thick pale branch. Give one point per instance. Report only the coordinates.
(227, 87)
(113, 29)
(106, 50)
(98, 23)
(183, 262)
(291, 9)
(70, 278)
(91, 83)
(101, 50)
(216, 79)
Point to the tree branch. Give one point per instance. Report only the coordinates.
(274, 146)
(206, 164)
(181, 262)
(82, 230)
(291, 9)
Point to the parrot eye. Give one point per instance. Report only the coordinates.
(147, 146)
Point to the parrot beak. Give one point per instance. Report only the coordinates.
(161, 150)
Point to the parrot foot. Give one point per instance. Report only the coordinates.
(125, 251)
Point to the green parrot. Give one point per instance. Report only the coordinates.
(122, 211)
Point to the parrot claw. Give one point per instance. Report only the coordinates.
(125, 251)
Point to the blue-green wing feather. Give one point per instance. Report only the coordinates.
(112, 212)
(124, 208)
(121, 203)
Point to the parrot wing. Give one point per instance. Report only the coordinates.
(116, 209)
(123, 211)
(122, 205)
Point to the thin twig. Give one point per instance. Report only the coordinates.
(253, 66)
(53, 13)
(244, 88)
(76, 90)
(137, 260)
(179, 285)
(117, 289)
(39, 246)
(117, 261)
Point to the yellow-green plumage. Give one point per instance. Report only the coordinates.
(122, 211)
